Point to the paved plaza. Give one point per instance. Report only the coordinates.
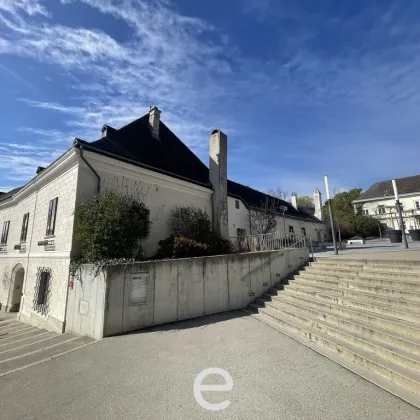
(150, 375)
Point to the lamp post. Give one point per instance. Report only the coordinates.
(284, 209)
(399, 210)
(331, 214)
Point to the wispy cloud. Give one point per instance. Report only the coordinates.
(326, 90)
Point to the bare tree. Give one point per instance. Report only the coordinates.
(279, 193)
(6, 278)
(263, 219)
(305, 201)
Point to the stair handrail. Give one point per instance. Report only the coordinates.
(280, 252)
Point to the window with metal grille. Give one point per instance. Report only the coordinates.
(5, 233)
(42, 290)
(24, 231)
(237, 204)
(52, 214)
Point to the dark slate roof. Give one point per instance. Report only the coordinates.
(410, 184)
(134, 144)
(254, 198)
(168, 154)
(5, 196)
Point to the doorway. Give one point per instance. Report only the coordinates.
(19, 276)
(318, 236)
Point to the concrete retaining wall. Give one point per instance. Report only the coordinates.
(159, 292)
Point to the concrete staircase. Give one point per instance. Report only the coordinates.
(23, 346)
(362, 314)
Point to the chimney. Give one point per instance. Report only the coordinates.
(40, 169)
(293, 200)
(154, 120)
(318, 205)
(218, 179)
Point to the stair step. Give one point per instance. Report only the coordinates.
(388, 264)
(31, 359)
(17, 331)
(386, 368)
(26, 341)
(24, 335)
(337, 325)
(8, 323)
(359, 281)
(388, 322)
(398, 297)
(34, 347)
(363, 272)
(12, 328)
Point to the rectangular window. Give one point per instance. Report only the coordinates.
(52, 214)
(366, 212)
(417, 203)
(291, 230)
(303, 231)
(237, 204)
(24, 231)
(381, 209)
(5, 233)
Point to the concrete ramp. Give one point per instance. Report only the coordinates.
(23, 346)
(363, 314)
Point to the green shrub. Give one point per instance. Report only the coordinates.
(165, 248)
(188, 248)
(220, 246)
(110, 227)
(190, 222)
(365, 226)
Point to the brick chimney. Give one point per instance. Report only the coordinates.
(218, 179)
(318, 205)
(154, 120)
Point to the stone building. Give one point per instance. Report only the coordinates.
(379, 201)
(144, 157)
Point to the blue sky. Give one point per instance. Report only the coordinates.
(303, 88)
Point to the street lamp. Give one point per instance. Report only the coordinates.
(398, 206)
(283, 209)
(331, 214)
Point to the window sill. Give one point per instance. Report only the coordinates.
(49, 237)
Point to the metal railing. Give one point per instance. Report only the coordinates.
(269, 242)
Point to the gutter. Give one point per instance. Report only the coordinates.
(98, 188)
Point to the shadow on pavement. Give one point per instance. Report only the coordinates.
(200, 322)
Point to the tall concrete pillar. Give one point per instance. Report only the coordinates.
(218, 179)
(293, 200)
(318, 205)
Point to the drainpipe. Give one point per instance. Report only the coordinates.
(98, 188)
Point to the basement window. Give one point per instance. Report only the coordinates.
(42, 290)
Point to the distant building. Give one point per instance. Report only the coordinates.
(379, 201)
